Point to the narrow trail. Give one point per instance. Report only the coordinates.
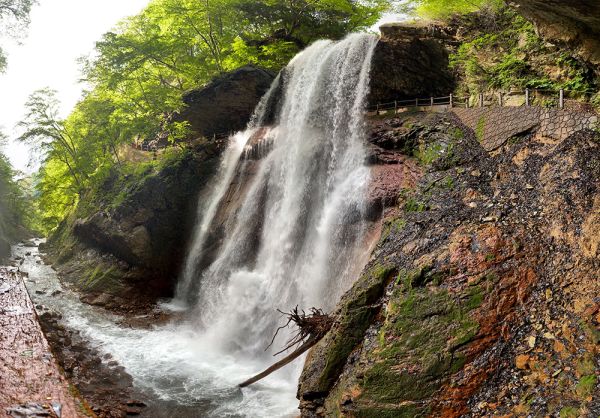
(28, 372)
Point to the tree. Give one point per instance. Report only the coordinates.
(14, 16)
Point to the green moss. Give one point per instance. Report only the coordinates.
(586, 386)
(458, 133)
(392, 226)
(358, 311)
(591, 332)
(586, 366)
(422, 331)
(100, 277)
(480, 129)
(475, 298)
(406, 411)
(569, 412)
(413, 205)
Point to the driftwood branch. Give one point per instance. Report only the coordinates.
(311, 329)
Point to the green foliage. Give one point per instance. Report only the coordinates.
(141, 69)
(16, 210)
(502, 51)
(445, 9)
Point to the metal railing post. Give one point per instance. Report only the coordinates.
(561, 99)
(527, 101)
(417, 102)
(451, 101)
(395, 107)
(431, 99)
(377, 111)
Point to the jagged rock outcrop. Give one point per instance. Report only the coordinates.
(226, 104)
(481, 298)
(410, 62)
(138, 245)
(574, 23)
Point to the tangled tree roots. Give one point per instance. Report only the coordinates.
(311, 329)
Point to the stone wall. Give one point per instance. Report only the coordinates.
(495, 126)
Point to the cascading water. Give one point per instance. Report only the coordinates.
(299, 232)
(297, 236)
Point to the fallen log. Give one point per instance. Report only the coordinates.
(311, 329)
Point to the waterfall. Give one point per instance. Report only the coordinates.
(283, 225)
(298, 236)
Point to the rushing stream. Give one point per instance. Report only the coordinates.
(297, 237)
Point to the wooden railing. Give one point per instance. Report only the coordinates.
(531, 97)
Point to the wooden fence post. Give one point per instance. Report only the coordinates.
(561, 99)
(377, 111)
(417, 102)
(527, 101)
(500, 99)
(480, 99)
(451, 101)
(431, 99)
(395, 107)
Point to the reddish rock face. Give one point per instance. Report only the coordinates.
(481, 298)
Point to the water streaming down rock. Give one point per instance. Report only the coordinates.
(298, 237)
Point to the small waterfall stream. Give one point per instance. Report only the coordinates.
(297, 235)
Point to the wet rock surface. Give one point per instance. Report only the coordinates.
(30, 381)
(226, 104)
(410, 62)
(123, 257)
(481, 298)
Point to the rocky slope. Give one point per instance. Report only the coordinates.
(481, 298)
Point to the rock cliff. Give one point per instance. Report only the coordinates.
(135, 246)
(574, 24)
(226, 104)
(409, 62)
(481, 298)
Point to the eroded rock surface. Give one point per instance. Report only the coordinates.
(481, 298)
